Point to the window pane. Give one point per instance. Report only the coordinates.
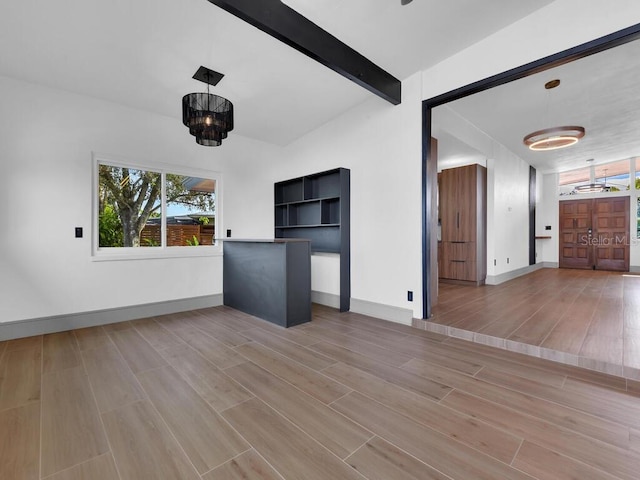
(567, 181)
(127, 199)
(190, 210)
(638, 173)
(615, 175)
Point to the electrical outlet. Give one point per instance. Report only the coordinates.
(228, 233)
(78, 232)
(410, 296)
(547, 227)
(507, 259)
(495, 262)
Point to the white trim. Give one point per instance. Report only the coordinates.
(101, 254)
(61, 323)
(328, 299)
(505, 277)
(385, 312)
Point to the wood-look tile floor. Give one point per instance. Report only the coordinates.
(579, 317)
(216, 394)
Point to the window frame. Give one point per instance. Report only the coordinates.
(163, 251)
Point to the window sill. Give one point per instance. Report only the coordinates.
(154, 253)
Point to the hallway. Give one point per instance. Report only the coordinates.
(577, 317)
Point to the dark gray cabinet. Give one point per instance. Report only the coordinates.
(270, 279)
(316, 207)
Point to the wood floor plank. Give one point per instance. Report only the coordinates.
(520, 360)
(630, 416)
(572, 419)
(207, 440)
(335, 432)
(217, 388)
(60, 351)
(397, 376)
(246, 466)
(571, 330)
(462, 427)
(602, 456)
(380, 460)
(20, 374)
(137, 352)
(216, 352)
(475, 360)
(291, 452)
(157, 336)
(433, 448)
(300, 354)
(381, 339)
(634, 440)
(309, 381)
(545, 464)
(536, 328)
(117, 327)
(143, 447)
(26, 342)
(231, 318)
(91, 337)
(292, 334)
(221, 333)
(111, 379)
(99, 468)
(20, 443)
(69, 412)
(381, 354)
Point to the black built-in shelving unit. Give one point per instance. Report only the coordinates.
(317, 207)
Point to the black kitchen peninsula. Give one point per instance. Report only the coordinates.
(270, 279)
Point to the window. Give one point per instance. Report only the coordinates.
(157, 210)
(615, 175)
(567, 181)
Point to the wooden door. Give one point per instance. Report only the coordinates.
(575, 234)
(594, 234)
(611, 233)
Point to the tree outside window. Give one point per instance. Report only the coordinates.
(130, 208)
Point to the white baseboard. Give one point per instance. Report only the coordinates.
(505, 277)
(385, 312)
(327, 299)
(61, 323)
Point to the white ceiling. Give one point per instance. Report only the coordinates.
(599, 92)
(143, 53)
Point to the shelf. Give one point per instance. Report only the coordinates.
(317, 207)
(333, 225)
(284, 204)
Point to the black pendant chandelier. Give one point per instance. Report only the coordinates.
(209, 117)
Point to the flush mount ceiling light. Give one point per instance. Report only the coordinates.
(554, 138)
(209, 117)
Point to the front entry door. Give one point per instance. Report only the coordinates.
(594, 234)
(575, 227)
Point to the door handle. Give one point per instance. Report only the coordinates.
(458, 220)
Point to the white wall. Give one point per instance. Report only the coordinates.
(381, 144)
(47, 136)
(46, 142)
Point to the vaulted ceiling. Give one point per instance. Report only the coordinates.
(143, 53)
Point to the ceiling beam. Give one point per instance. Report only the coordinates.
(282, 22)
